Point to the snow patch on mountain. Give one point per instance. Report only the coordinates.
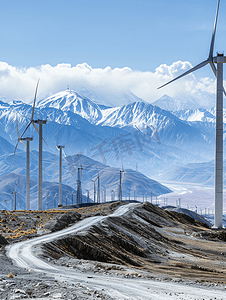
(199, 100)
(111, 98)
(73, 102)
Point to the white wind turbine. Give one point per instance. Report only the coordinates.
(60, 147)
(28, 140)
(40, 123)
(98, 185)
(14, 193)
(79, 183)
(218, 72)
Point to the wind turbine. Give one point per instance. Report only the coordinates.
(98, 185)
(104, 193)
(60, 147)
(40, 123)
(218, 72)
(28, 140)
(87, 196)
(79, 183)
(14, 196)
(120, 185)
(112, 195)
(94, 190)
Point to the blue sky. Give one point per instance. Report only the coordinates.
(139, 34)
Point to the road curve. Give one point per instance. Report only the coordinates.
(24, 254)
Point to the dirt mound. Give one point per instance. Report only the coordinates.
(63, 221)
(133, 239)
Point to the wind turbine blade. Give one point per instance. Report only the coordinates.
(199, 66)
(4, 200)
(17, 127)
(33, 108)
(33, 153)
(45, 142)
(25, 129)
(213, 68)
(36, 128)
(15, 151)
(214, 32)
(23, 143)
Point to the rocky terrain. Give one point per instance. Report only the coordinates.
(146, 244)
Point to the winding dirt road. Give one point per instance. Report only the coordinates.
(25, 255)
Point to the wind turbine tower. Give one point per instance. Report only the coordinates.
(120, 185)
(79, 186)
(98, 185)
(40, 123)
(28, 140)
(218, 60)
(14, 196)
(60, 147)
(94, 190)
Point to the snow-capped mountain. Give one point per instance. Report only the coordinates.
(201, 114)
(136, 135)
(113, 99)
(133, 133)
(70, 101)
(199, 100)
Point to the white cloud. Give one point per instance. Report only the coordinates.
(19, 83)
